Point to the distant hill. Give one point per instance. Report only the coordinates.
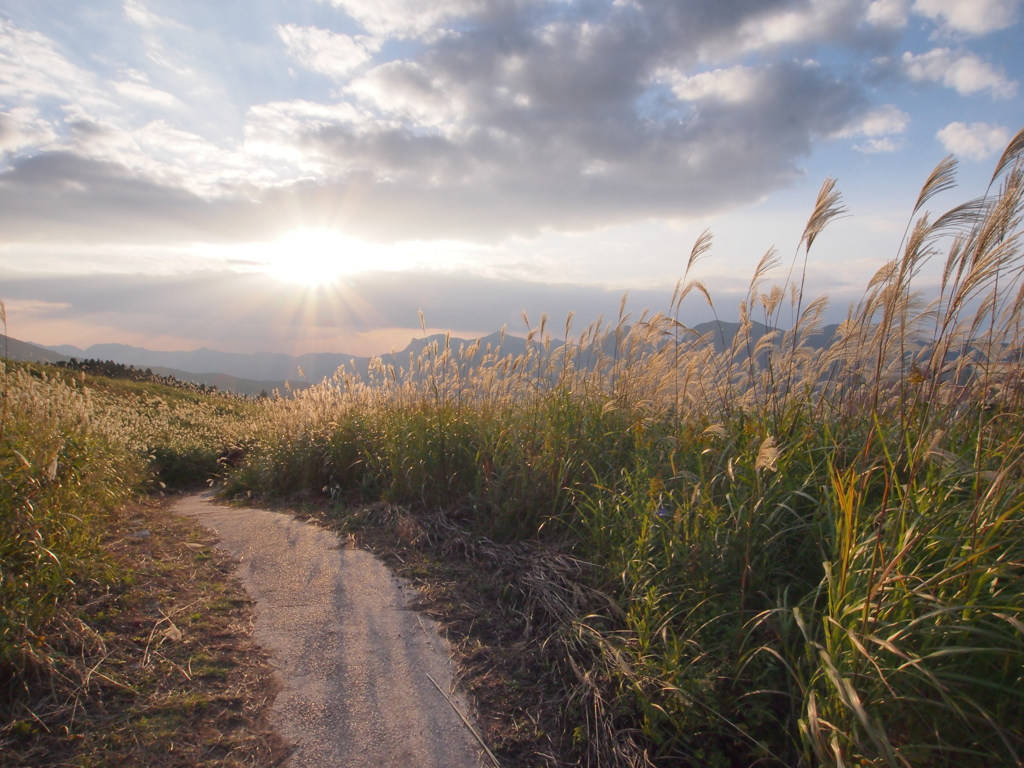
(25, 352)
(226, 383)
(266, 371)
(725, 332)
(267, 367)
(258, 367)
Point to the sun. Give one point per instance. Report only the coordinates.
(316, 256)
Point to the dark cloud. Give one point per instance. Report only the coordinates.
(61, 196)
(516, 177)
(59, 193)
(514, 118)
(590, 168)
(552, 115)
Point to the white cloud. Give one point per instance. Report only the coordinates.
(31, 68)
(24, 127)
(408, 91)
(878, 126)
(137, 88)
(539, 117)
(299, 112)
(102, 106)
(808, 22)
(882, 121)
(138, 13)
(965, 72)
(886, 144)
(172, 47)
(734, 84)
(404, 18)
(973, 140)
(280, 129)
(791, 26)
(160, 152)
(326, 52)
(975, 17)
(888, 13)
(189, 161)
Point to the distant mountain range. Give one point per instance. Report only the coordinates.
(263, 367)
(265, 371)
(25, 352)
(247, 374)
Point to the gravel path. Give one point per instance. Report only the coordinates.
(355, 664)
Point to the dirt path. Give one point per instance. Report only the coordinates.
(355, 665)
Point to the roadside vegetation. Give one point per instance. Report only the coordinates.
(123, 640)
(111, 370)
(775, 548)
(762, 552)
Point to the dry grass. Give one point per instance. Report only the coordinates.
(156, 669)
(812, 547)
(760, 548)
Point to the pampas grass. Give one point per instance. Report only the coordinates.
(769, 548)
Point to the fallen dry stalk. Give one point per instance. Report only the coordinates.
(469, 725)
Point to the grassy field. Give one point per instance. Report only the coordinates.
(796, 554)
(765, 552)
(95, 654)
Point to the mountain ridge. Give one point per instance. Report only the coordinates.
(265, 371)
(269, 366)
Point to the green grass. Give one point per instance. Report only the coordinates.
(158, 669)
(762, 553)
(814, 555)
(73, 449)
(59, 478)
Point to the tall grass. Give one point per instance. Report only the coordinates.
(73, 449)
(182, 434)
(814, 550)
(59, 477)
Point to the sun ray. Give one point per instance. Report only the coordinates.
(314, 257)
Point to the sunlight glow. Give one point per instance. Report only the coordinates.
(318, 256)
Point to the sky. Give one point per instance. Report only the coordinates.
(311, 175)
